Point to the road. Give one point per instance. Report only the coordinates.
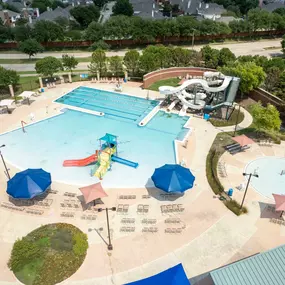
(267, 48)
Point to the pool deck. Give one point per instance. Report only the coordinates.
(211, 234)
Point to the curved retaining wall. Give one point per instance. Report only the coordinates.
(171, 72)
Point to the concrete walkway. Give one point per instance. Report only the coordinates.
(211, 235)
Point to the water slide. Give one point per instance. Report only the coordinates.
(103, 163)
(81, 162)
(124, 161)
(197, 103)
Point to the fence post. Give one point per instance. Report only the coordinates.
(11, 89)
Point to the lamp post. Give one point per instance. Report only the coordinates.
(250, 175)
(110, 246)
(6, 169)
(236, 121)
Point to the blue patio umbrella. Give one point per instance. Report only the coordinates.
(28, 183)
(173, 178)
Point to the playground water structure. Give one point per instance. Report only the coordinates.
(75, 134)
(216, 86)
(271, 175)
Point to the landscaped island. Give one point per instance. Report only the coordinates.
(49, 254)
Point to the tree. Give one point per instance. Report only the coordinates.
(123, 7)
(116, 65)
(210, 56)
(131, 61)
(21, 21)
(41, 4)
(84, 15)
(69, 62)
(7, 77)
(46, 31)
(250, 74)
(272, 78)
(266, 118)
(73, 35)
(225, 56)
(6, 34)
(100, 3)
(280, 11)
(98, 62)
(94, 32)
(118, 27)
(30, 47)
(22, 33)
(48, 66)
(149, 62)
(58, 3)
(62, 21)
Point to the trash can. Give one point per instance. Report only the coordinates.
(206, 117)
(230, 192)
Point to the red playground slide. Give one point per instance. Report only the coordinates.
(82, 162)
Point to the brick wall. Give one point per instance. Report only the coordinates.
(172, 72)
(265, 97)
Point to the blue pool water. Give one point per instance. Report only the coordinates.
(112, 104)
(74, 135)
(269, 180)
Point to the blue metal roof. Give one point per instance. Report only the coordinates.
(264, 268)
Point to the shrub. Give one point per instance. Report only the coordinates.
(211, 171)
(23, 251)
(99, 45)
(62, 240)
(234, 206)
(80, 243)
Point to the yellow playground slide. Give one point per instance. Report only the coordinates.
(104, 161)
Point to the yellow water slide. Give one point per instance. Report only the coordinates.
(104, 161)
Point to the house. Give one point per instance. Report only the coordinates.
(51, 15)
(9, 18)
(210, 11)
(147, 9)
(270, 7)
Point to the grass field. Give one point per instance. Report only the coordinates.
(167, 82)
(234, 119)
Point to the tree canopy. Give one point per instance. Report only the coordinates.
(84, 15)
(123, 7)
(251, 75)
(98, 62)
(48, 66)
(8, 77)
(46, 31)
(69, 63)
(31, 47)
(131, 61)
(116, 65)
(266, 118)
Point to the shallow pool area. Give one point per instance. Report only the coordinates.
(74, 135)
(271, 175)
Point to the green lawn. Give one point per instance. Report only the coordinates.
(232, 121)
(49, 254)
(167, 82)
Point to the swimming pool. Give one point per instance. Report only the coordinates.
(74, 135)
(269, 179)
(115, 105)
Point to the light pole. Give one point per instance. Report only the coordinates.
(110, 246)
(4, 162)
(250, 175)
(237, 121)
